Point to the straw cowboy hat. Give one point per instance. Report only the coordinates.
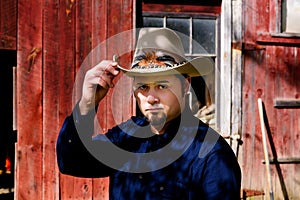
(159, 51)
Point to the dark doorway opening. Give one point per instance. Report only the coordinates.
(8, 134)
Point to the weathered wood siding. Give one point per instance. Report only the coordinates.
(54, 38)
(8, 24)
(271, 71)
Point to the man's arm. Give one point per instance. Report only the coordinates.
(222, 176)
(72, 156)
(216, 175)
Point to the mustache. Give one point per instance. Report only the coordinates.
(154, 107)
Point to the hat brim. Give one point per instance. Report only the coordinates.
(199, 66)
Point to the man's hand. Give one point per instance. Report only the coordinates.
(97, 82)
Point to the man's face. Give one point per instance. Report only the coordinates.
(160, 98)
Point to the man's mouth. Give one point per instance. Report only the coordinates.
(153, 109)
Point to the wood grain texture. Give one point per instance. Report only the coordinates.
(8, 24)
(269, 73)
(29, 98)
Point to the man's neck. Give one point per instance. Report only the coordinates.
(158, 129)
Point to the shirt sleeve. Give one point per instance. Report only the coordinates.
(73, 158)
(217, 176)
(222, 176)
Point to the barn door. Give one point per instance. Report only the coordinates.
(271, 51)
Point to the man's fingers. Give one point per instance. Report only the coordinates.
(107, 65)
(97, 82)
(102, 74)
(106, 81)
(112, 69)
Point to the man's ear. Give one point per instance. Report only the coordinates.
(187, 84)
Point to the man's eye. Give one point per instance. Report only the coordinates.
(162, 86)
(143, 87)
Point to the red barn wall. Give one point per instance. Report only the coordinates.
(54, 38)
(271, 71)
(8, 24)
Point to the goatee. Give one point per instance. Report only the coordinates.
(157, 119)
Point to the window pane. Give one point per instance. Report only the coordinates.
(153, 22)
(181, 25)
(204, 34)
(291, 13)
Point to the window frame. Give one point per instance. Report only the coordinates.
(275, 35)
(165, 15)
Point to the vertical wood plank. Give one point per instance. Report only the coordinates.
(8, 24)
(51, 70)
(248, 121)
(295, 121)
(265, 89)
(252, 146)
(128, 102)
(236, 91)
(114, 13)
(99, 38)
(8, 21)
(83, 188)
(223, 115)
(29, 98)
(66, 60)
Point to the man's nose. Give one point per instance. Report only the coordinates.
(152, 99)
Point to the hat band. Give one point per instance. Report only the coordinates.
(151, 60)
(151, 65)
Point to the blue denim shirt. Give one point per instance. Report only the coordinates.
(189, 161)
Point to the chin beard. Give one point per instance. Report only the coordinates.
(157, 119)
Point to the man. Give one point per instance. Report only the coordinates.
(165, 154)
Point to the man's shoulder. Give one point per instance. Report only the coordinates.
(212, 143)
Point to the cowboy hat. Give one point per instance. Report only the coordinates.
(159, 51)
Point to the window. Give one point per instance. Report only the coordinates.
(290, 16)
(283, 26)
(198, 31)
